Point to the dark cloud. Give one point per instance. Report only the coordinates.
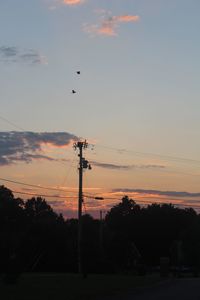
(6, 51)
(125, 167)
(110, 166)
(30, 157)
(27, 146)
(157, 192)
(13, 54)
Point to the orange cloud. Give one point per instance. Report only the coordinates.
(127, 18)
(106, 31)
(107, 28)
(73, 2)
(109, 24)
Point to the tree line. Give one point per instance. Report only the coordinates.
(131, 238)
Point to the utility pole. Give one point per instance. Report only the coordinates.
(83, 164)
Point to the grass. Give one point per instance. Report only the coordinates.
(38, 286)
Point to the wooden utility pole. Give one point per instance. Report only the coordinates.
(80, 202)
(83, 164)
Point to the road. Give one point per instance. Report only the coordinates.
(180, 289)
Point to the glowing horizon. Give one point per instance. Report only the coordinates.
(134, 66)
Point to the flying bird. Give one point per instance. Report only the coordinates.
(73, 92)
(78, 72)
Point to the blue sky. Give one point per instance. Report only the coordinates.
(138, 88)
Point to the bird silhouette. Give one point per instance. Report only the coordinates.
(73, 92)
(78, 72)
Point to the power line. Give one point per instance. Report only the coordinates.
(163, 156)
(157, 202)
(174, 204)
(11, 123)
(36, 186)
(66, 178)
(118, 199)
(168, 157)
(42, 187)
(43, 195)
(102, 199)
(130, 168)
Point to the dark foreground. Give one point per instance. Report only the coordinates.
(101, 287)
(72, 287)
(179, 289)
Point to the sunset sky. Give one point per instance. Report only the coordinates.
(137, 100)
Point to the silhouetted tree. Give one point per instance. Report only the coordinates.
(12, 222)
(121, 223)
(36, 238)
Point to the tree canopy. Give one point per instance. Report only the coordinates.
(129, 236)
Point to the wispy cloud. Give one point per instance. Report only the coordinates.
(157, 192)
(108, 24)
(125, 167)
(27, 146)
(11, 54)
